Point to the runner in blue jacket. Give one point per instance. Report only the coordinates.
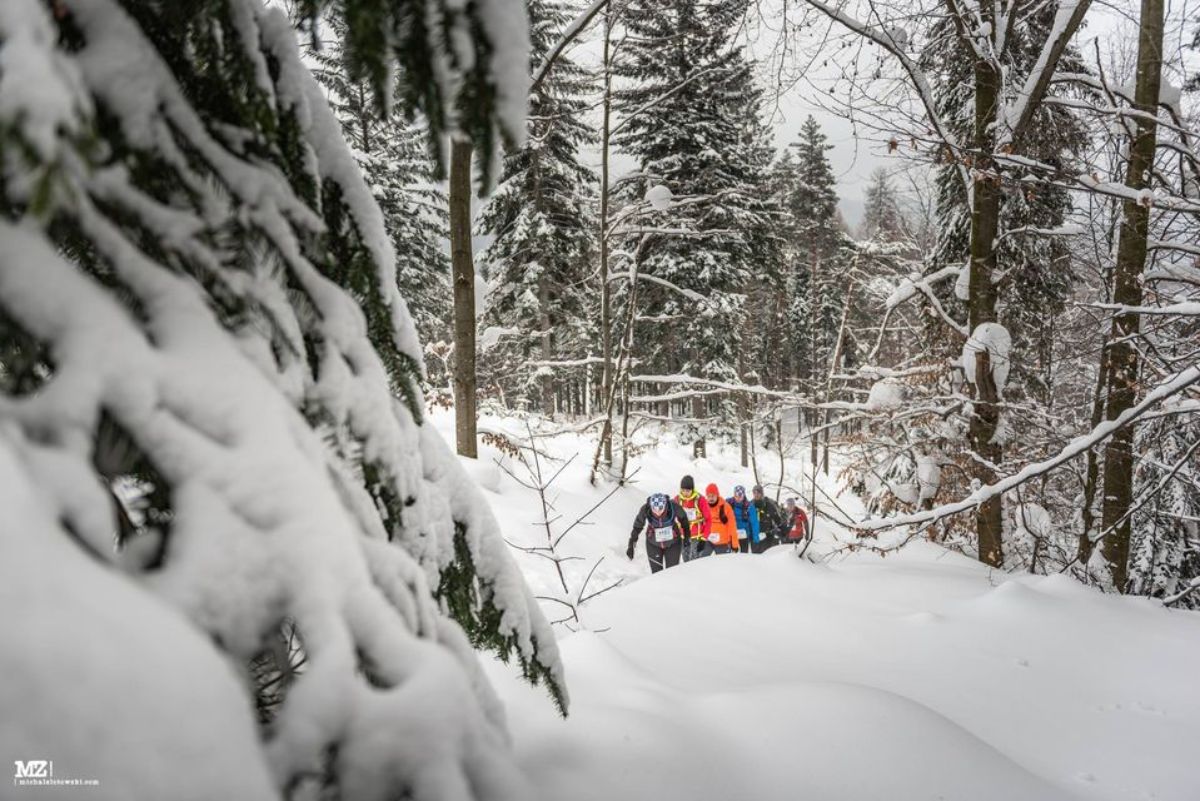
(746, 518)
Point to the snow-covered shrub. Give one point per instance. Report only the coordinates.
(211, 437)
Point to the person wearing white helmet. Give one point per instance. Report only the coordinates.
(666, 528)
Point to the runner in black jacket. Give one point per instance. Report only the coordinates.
(771, 519)
(666, 527)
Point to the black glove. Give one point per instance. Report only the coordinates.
(629, 551)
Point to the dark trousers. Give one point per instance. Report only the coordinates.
(696, 549)
(757, 547)
(663, 557)
(763, 544)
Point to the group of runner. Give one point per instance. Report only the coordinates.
(691, 526)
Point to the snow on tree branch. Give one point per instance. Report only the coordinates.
(1178, 383)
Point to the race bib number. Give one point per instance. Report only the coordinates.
(664, 534)
(693, 513)
(714, 538)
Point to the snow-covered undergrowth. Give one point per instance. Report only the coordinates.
(922, 675)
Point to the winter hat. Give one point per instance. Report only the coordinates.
(711, 489)
(658, 503)
(688, 483)
(758, 489)
(739, 490)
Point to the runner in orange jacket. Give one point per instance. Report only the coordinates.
(723, 535)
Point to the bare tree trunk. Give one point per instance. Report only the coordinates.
(754, 456)
(605, 296)
(1092, 473)
(699, 412)
(981, 307)
(464, 298)
(547, 381)
(1123, 363)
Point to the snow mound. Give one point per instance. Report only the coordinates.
(810, 671)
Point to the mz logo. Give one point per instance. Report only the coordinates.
(34, 769)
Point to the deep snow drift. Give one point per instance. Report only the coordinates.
(922, 675)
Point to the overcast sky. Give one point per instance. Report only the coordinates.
(854, 156)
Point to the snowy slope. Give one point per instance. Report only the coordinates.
(920, 676)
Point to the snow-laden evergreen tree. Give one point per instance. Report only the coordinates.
(777, 277)
(1035, 270)
(219, 490)
(684, 109)
(540, 218)
(766, 299)
(819, 253)
(882, 218)
(1165, 553)
(394, 158)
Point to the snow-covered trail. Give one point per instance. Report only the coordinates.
(913, 677)
(920, 676)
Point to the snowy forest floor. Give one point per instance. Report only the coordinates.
(923, 675)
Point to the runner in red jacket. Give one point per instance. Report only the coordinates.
(795, 529)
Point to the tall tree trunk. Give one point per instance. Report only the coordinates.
(605, 295)
(1123, 363)
(1092, 472)
(547, 381)
(464, 298)
(981, 306)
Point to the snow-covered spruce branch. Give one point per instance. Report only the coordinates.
(654, 279)
(1077, 446)
(573, 30)
(199, 334)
